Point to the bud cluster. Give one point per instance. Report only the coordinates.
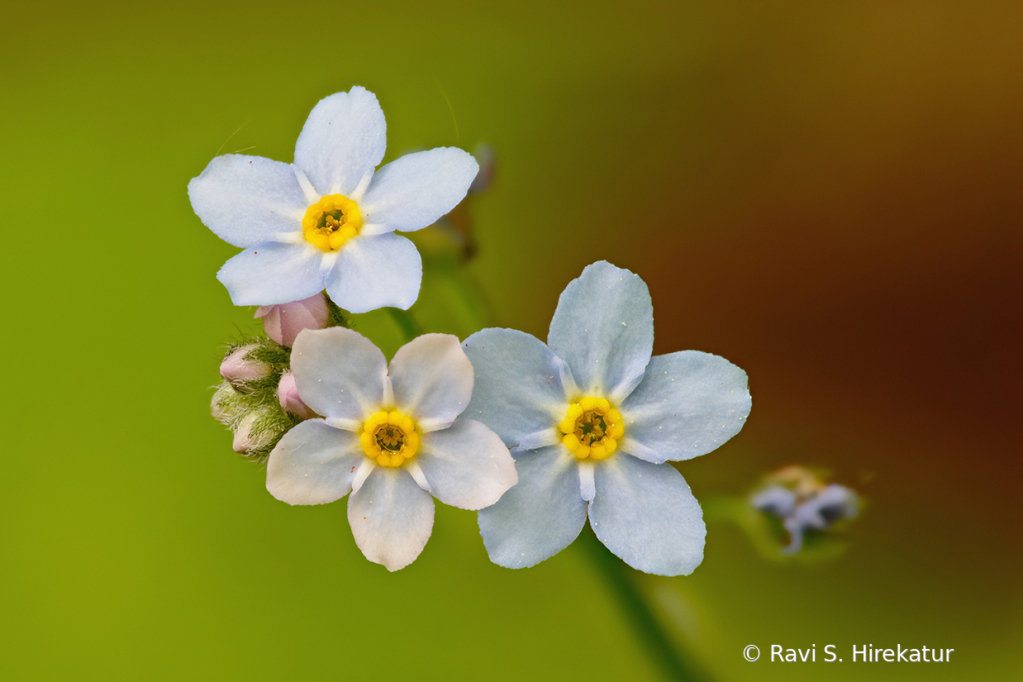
(257, 398)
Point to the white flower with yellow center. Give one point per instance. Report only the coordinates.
(591, 419)
(327, 221)
(391, 436)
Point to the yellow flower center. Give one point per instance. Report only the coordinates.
(591, 428)
(389, 438)
(331, 222)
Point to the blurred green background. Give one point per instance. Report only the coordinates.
(826, 194)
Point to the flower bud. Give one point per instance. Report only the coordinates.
(227, 405)
(283, 322)
(239, 370)
(287, 394)
(253, 432)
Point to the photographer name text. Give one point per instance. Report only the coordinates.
(859, 653)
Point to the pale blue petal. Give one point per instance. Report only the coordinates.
(775, 500)
(519, 390)
(688, 404)
(272, 272)
(313, 464)
(604, 329)
(538, 517)
(343, 139)
(391, 517)
(339, 373)
(467, 465)
(247, 199)
(432, 380)
(374, 272)
(417, 189)
(818, 513)
(646, 515)
(827, 506)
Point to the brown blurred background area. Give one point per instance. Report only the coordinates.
(830, 197)
(828, 194)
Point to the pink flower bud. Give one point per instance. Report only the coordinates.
(239, 370)
(248, 436)
(287, 394)
(283, 322)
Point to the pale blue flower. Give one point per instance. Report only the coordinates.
(392, 436)
(801, 510)
(591, 419)
(327, 221)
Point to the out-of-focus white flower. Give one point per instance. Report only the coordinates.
(392, 436)
(327, 221)
(591, 419)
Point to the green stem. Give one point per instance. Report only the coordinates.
(408, 325)
(637, 610)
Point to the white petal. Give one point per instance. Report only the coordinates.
(416, 472)
(432, 380)
(518, 392)
(247, 199)
(313, 464)
(343, 139)
(467, 465)
(604, 329)
(391, 518)
(540, 439)
(646, 514)
(587, 482)
(339, 373)
(539, 516)
(688, 404)
(362, 472)
(417, 189)
(373, 272)
(271, 273)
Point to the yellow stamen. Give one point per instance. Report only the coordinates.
(591, 428)
(331, 222)
(389, 438)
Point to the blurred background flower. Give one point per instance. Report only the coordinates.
(802, 502)
(829, 196)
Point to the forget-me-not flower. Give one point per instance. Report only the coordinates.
(592, 418)
(803, 502)
(391, 436)
(327, 221)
